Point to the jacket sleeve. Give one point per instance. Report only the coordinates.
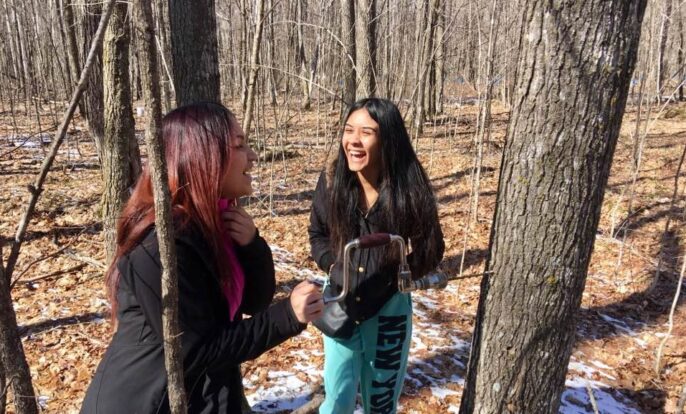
(260, 282)
(318, 230)
(205, 343)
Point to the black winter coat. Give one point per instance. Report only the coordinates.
(131, 377)
(373, 280)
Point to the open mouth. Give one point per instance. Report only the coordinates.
(357, 155)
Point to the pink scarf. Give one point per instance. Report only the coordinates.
(233, 294)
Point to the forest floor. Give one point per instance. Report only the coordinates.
(63, 312)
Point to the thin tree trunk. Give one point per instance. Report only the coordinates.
(365, 42)
(439, 44)
(164, 49)
(14, 53)
(663, 67)
(12, 356)
(254, 67)
(121, 163)
(300, 54)
(680, 56)
(271, 58)
(163, 218)
(195, 61)
(348, 39)
(553, 174)
(3, 388)
(92, 107)
(420, 96)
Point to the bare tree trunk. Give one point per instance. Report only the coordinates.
(72, 51)
(420, 96)
(163, 218)
(3, 388)
(121, 163)
(348, 39)
(193, 27)
(365, 42)
(271, 58)
(300, 57)
(439, 43)
(254, 67)
(14, 52)
(680, 57)
(553, 174)
(92, 107)
(662, 60)
(12, 356)
(164, 49)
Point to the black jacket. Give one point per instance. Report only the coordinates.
(131, 377)
(372, 282)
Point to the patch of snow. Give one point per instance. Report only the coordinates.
(43, 401)
(441, 393)
(575, 399)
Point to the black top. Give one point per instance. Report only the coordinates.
(372, 282)
(131, 377)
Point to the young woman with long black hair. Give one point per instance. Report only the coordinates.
(376, 185)
(225, 269)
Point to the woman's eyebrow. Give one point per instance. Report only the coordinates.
(363, 127)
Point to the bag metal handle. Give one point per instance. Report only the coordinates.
(368, 241)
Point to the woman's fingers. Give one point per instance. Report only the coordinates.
(306, 300)
(240, 225)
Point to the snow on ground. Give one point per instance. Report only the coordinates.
(438, 359)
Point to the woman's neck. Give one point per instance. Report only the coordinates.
(369, 190)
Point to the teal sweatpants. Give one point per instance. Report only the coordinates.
(375, 358)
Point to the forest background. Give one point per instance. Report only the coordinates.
(287, 69)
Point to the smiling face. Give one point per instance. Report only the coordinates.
(361, 144)
(237, 181)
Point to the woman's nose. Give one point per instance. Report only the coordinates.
(252, 156)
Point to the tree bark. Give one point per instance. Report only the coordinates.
(663, 73)
(365, 42)
(3, 389)
(254, 67)
(92, 107)
(349, 59)
(163, 218)
(195, 60)
(427, 48)
(680, 55)
(439, 45)
(12, 357)
(300, 54)
(121, 163)
(575, 64)
(164, 49)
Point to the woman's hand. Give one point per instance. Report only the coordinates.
(306, 301)
(240, 225)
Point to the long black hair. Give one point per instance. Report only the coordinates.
(405, 197)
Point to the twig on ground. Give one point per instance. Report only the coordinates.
(660, 349)
(57, 273)
(98, 265)
(594, 404)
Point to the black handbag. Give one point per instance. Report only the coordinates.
(335, 322)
